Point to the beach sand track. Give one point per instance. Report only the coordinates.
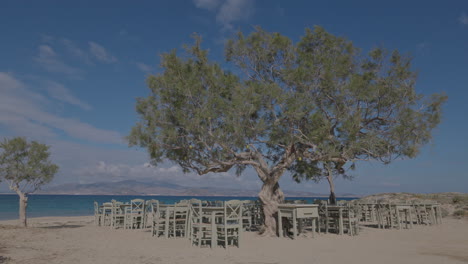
(77, 240)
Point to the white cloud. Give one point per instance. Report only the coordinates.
(170, 169)
(207, 4)
(22, 109)
(463, 19)
(144, 67)
(100, 53)
(115, 171)
(51, 62)
(232, 11)
(61, 93)
(228, 11)
(74, 50)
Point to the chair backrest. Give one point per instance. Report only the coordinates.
(137, 206)
(215, 203)
(107, 208)
(149, 204)
(153, 206)
(341, 202)
(184, 201)
(323, 204)
(233, 211)
(196, 212)
(116, 207)
(96, 207)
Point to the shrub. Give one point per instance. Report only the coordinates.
(457, 199)
(459, 213)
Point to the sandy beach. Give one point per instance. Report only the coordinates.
(77, 240)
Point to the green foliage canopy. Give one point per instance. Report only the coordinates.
(284, 106)
(25, 165)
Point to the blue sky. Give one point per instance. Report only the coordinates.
(70, 72)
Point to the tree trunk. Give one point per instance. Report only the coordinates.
(332, 197)
(23, 204)
(270, 196)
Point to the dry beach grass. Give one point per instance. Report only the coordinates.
(77, 240)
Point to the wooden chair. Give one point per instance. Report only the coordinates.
(158, 219)
(118, 214)
(97, 214)
(229, 232)
(134, 214)
(149, 213)
(106, 214)
(200, 229)
(257, 214)
(323, 214)
(351, 220)
(386, 217)
(179, 219)
(247, 214)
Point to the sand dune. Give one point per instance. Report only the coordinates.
(76, 240)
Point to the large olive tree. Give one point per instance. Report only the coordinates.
(25, 166)
(278, 106)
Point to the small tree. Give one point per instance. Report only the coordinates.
(26, 167)
(281, 107)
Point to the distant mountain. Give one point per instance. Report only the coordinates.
(133, 187)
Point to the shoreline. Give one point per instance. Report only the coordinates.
(167, 195)
(47, 220)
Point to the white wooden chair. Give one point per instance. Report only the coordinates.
(229, 232)
(134, 214)
(179, 219)
(106, 214)
(117, 215)
(158, 219)
(200, 230)
(97, 214)
(149, 213)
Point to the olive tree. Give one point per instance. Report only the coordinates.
(25, 166)
(270, 107)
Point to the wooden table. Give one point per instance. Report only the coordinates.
(297, 211)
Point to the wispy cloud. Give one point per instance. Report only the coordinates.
(61, 93)
(207, 4)
(22, 109)
(51, 62)
(144, 67)
(100, 53)
(463, 19)
(125, 34)
(228, 11)
(75, 51)
(234, 10)
(423, 47)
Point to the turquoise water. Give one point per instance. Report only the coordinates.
(78, 205)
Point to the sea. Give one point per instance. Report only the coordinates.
(41, 205)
